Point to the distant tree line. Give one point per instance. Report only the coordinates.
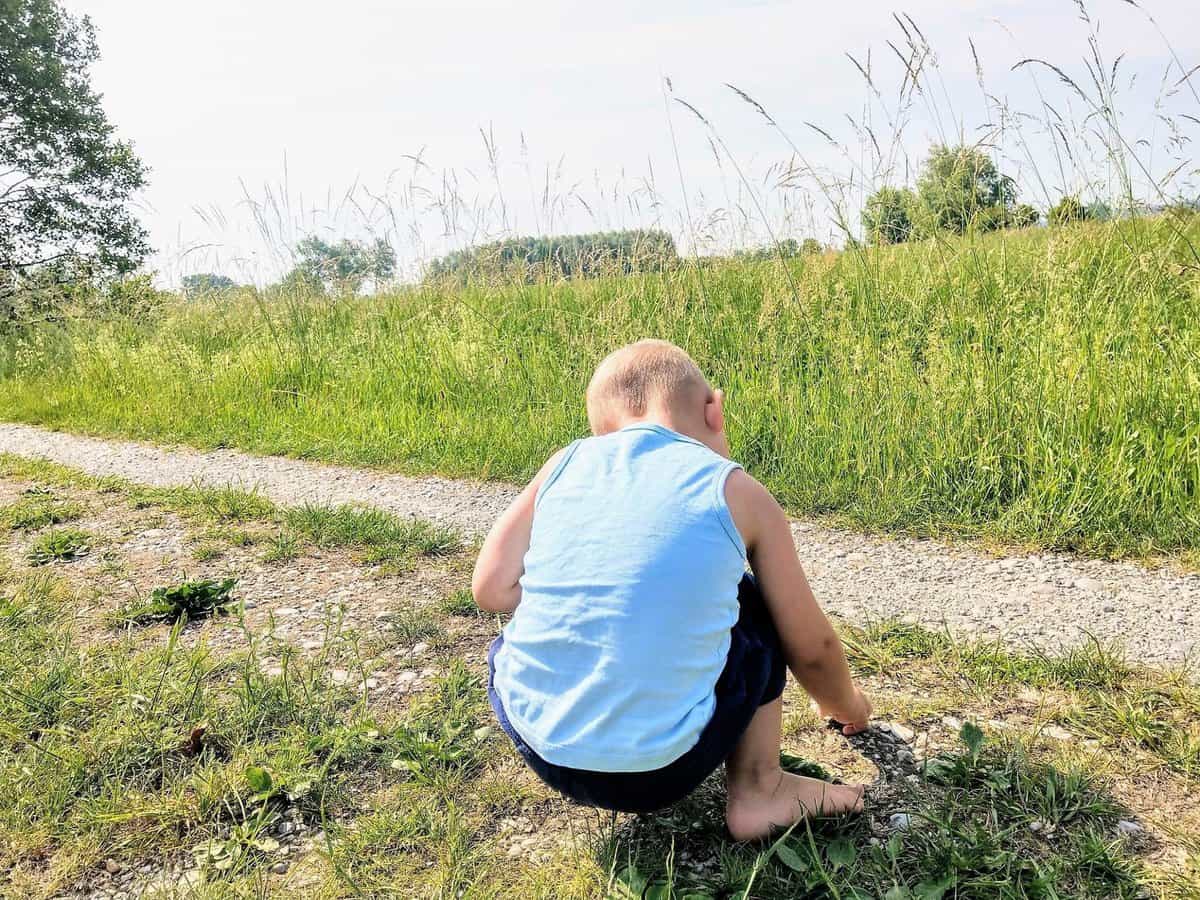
(567, 256)
(960, 188)
(788, 248)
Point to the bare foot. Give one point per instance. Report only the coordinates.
(780, 799)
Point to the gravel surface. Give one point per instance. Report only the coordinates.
(1049, 600)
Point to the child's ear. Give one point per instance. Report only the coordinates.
(714, 411)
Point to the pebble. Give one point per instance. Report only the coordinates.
(111, 866)
(1129, 828)
(899, 821)
(279, 868)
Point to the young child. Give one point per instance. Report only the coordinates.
(640, 656)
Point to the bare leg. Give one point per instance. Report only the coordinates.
(762, 797)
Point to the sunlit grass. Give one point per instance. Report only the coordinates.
(1038, 386)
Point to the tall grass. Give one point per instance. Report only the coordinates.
(1039, 386)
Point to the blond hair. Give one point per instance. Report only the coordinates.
(637, 376)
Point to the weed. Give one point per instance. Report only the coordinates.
(58, 544)
(183, 602)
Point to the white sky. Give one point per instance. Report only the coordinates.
(217, 95)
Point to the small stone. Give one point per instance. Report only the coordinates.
(1129, 828)
(111, 866)
(339, 676)
(899, 821)
(371, 683)
(420, 648)
(1087, 584)
(903, 732)
(952, 722)
(285, 828)
(1057, 732)
(279, 868)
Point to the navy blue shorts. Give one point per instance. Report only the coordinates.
(754, 675)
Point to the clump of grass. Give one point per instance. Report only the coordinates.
(206, 550)
(37, 511)
(284, 547)
(413, 624)
(223, 504)
(460, 603)
(183, 602)
(58, 545)
(383, 536)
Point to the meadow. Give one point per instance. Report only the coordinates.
(1037, 387)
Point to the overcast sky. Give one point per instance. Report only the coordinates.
(306, 112)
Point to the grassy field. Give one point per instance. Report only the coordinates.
(284, 742)
(1039, 387)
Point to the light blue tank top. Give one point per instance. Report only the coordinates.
(627, 601)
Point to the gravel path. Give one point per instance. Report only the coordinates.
(1049, 600)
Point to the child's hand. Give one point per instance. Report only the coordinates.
(853, 719)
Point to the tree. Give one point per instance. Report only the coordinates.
(344, 266)
(1024, 216)
(886, 217)
(1067, 210)
(203, 284)
(961, 186)
(65, 180)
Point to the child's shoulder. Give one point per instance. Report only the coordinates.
(752, 506)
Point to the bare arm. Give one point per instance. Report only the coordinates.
(496, 581)
(812, 648)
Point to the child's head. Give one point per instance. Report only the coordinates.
(656, 381)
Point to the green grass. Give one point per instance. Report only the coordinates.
(969, 834)
(38, 510)
(1040, 386)
(381, 536)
